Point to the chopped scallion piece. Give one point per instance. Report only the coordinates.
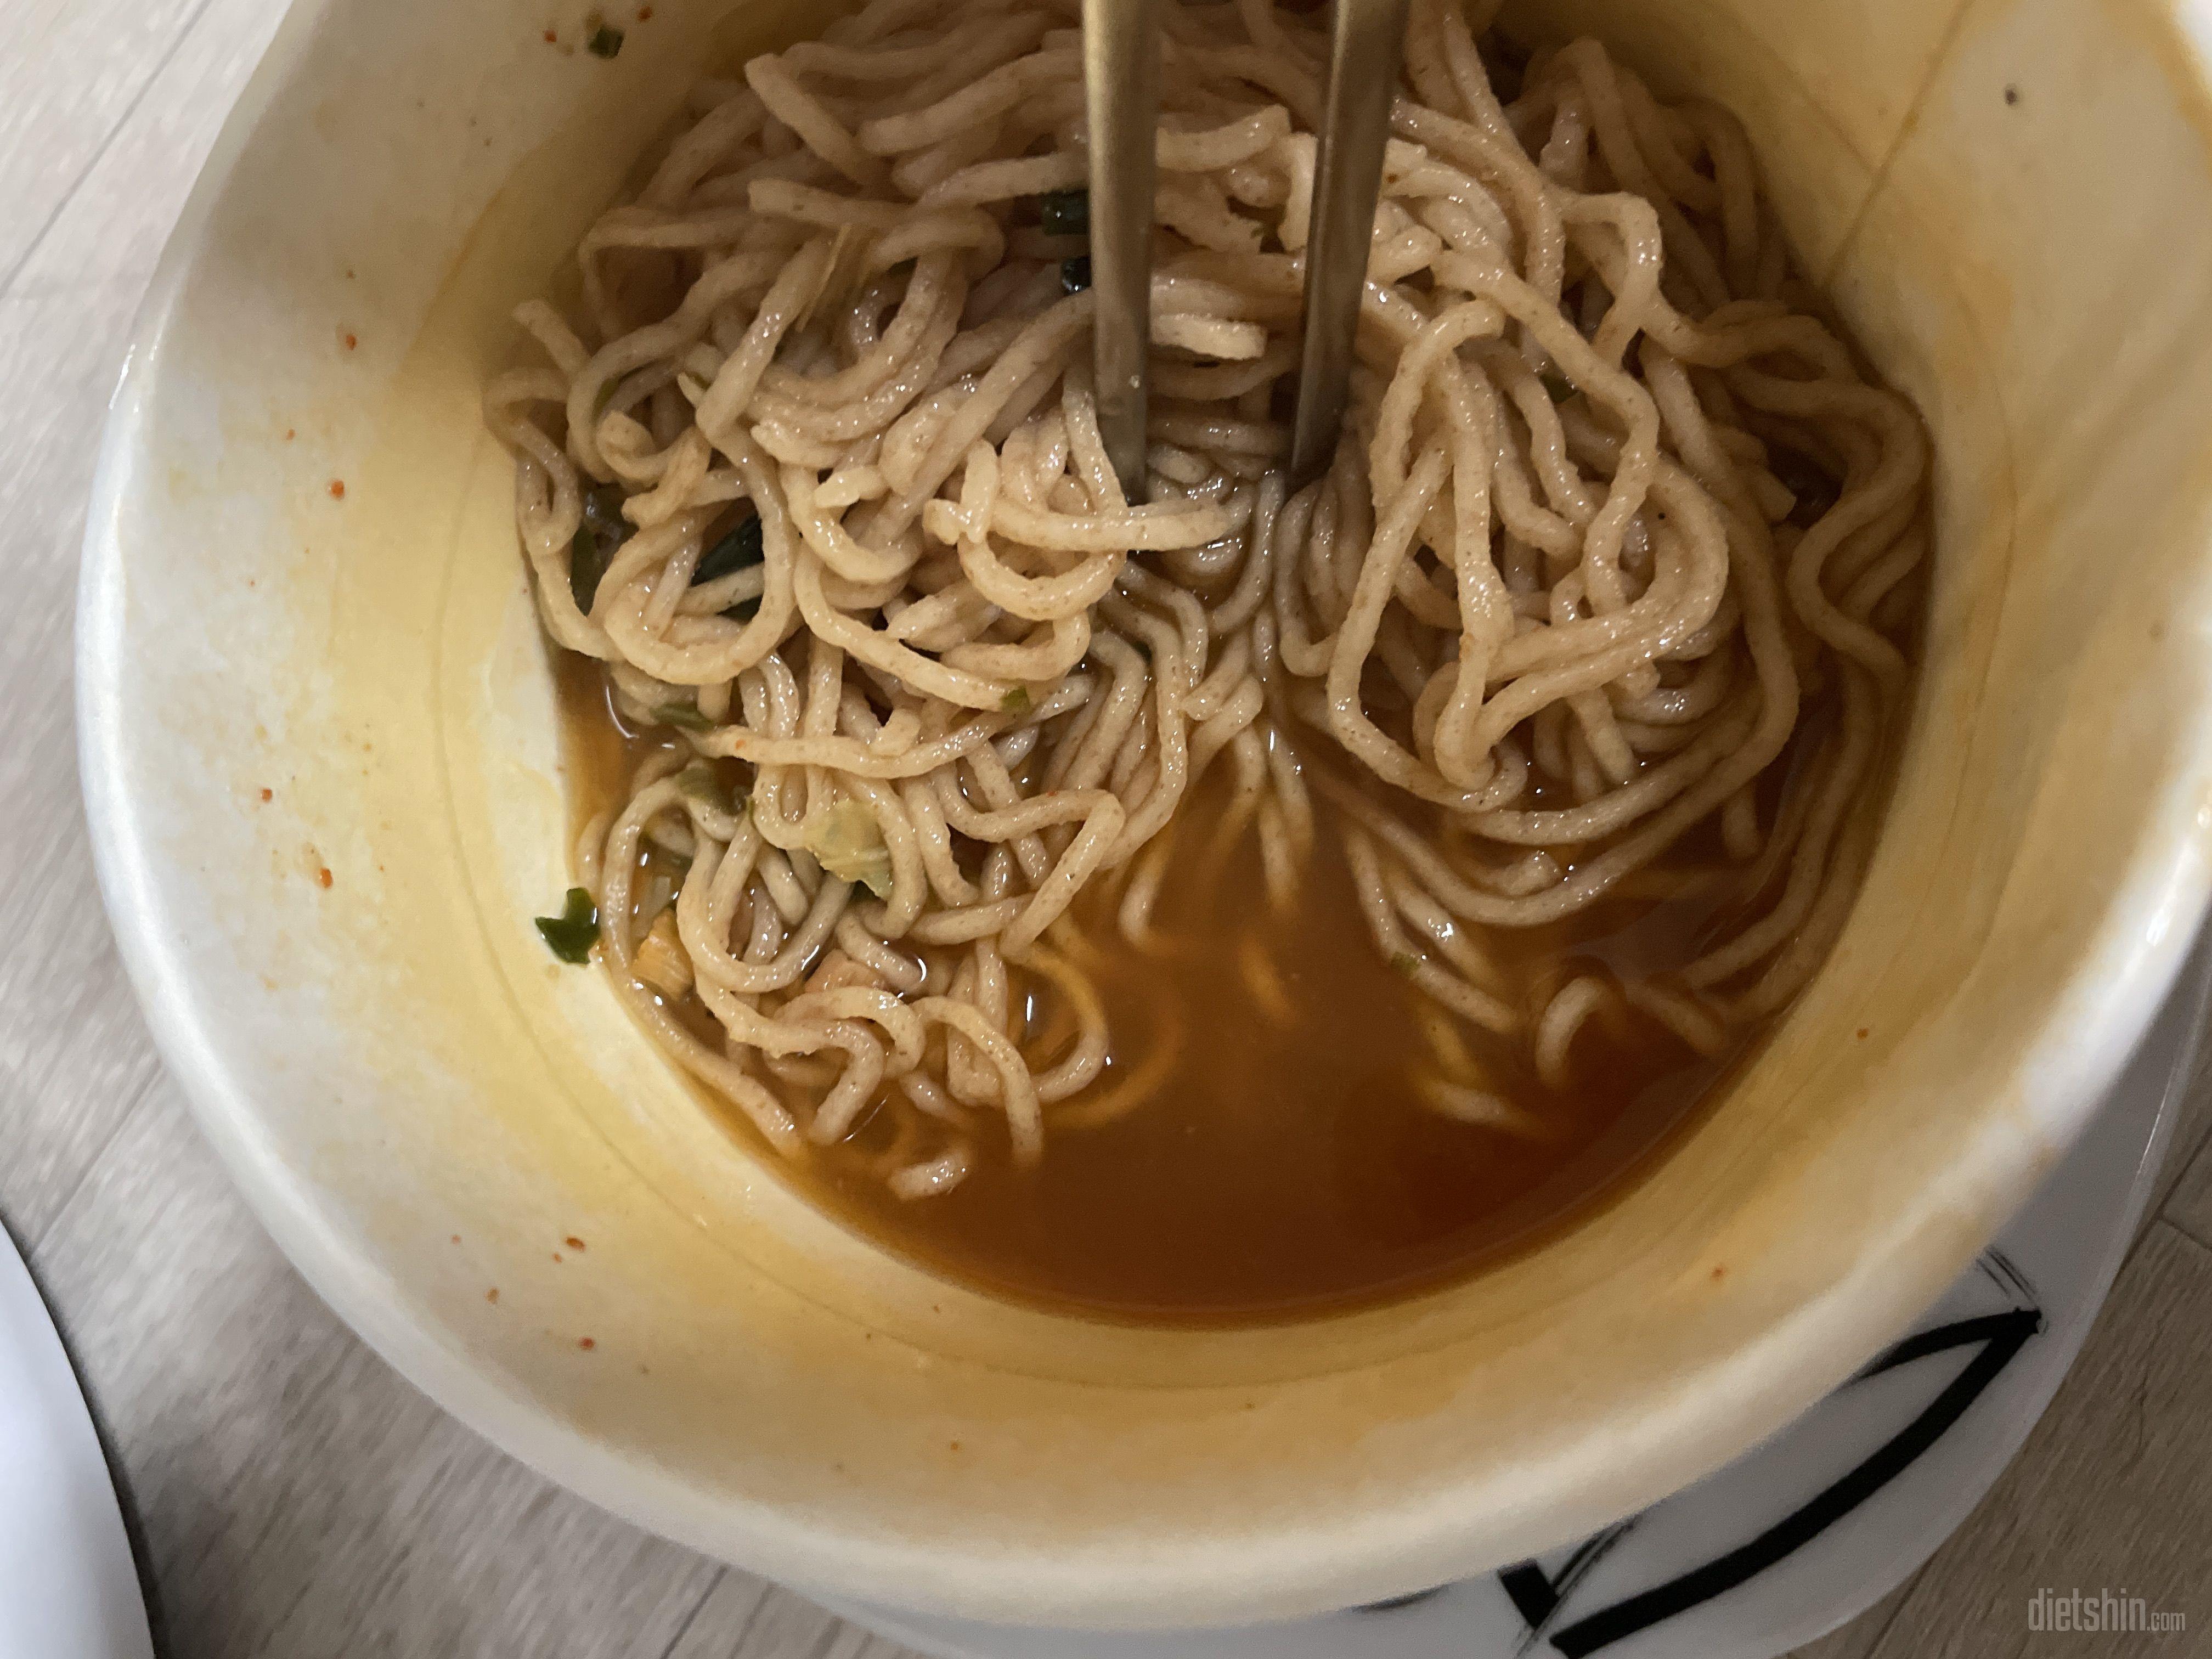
(600, 530)
(848, 842)
(605, 42)
(1075, 274)
(1016, 702)
(700, 783)
(739, 551)
(1406, 963)
(683, 716)
(586, 564)
(1065, 212)
(571, 935)
(603, 509)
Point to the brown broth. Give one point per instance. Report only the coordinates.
(1287, 1166)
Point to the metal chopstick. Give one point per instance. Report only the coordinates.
(1367, 41)
(1121, 89)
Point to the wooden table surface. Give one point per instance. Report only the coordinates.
(290, 1496)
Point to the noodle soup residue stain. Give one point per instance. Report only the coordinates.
(1284, 1166)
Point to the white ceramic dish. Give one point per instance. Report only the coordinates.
(319, 762)
(68, 1587)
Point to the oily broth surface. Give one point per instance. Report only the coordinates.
(1283, 1165)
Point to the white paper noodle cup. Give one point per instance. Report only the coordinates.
(2012, 205)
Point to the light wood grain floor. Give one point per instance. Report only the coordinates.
(295, 1499)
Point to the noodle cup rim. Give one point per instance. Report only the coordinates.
(1324, 1562)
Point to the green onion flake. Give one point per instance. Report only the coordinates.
(586, 564)
(740, 550)
(683, 716)
(571, 935)
(1016, 702)
(1065, 212)
(698, 781)
(600, 530)
(605, 42)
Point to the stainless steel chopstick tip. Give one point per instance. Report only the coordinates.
(1367, 41)
(1122, 92)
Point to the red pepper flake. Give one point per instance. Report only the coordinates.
(338, 489)
(550, 37)
(556, 1256)
(573, 1243)
(457, 1238)
(492, 1295)
(1720, 1272)
(645, 14)
(1862, 1032)
(290, 433)
(323, 875)
(955, 1444)
(349, 339)
(586, 1344)
(268, 794)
